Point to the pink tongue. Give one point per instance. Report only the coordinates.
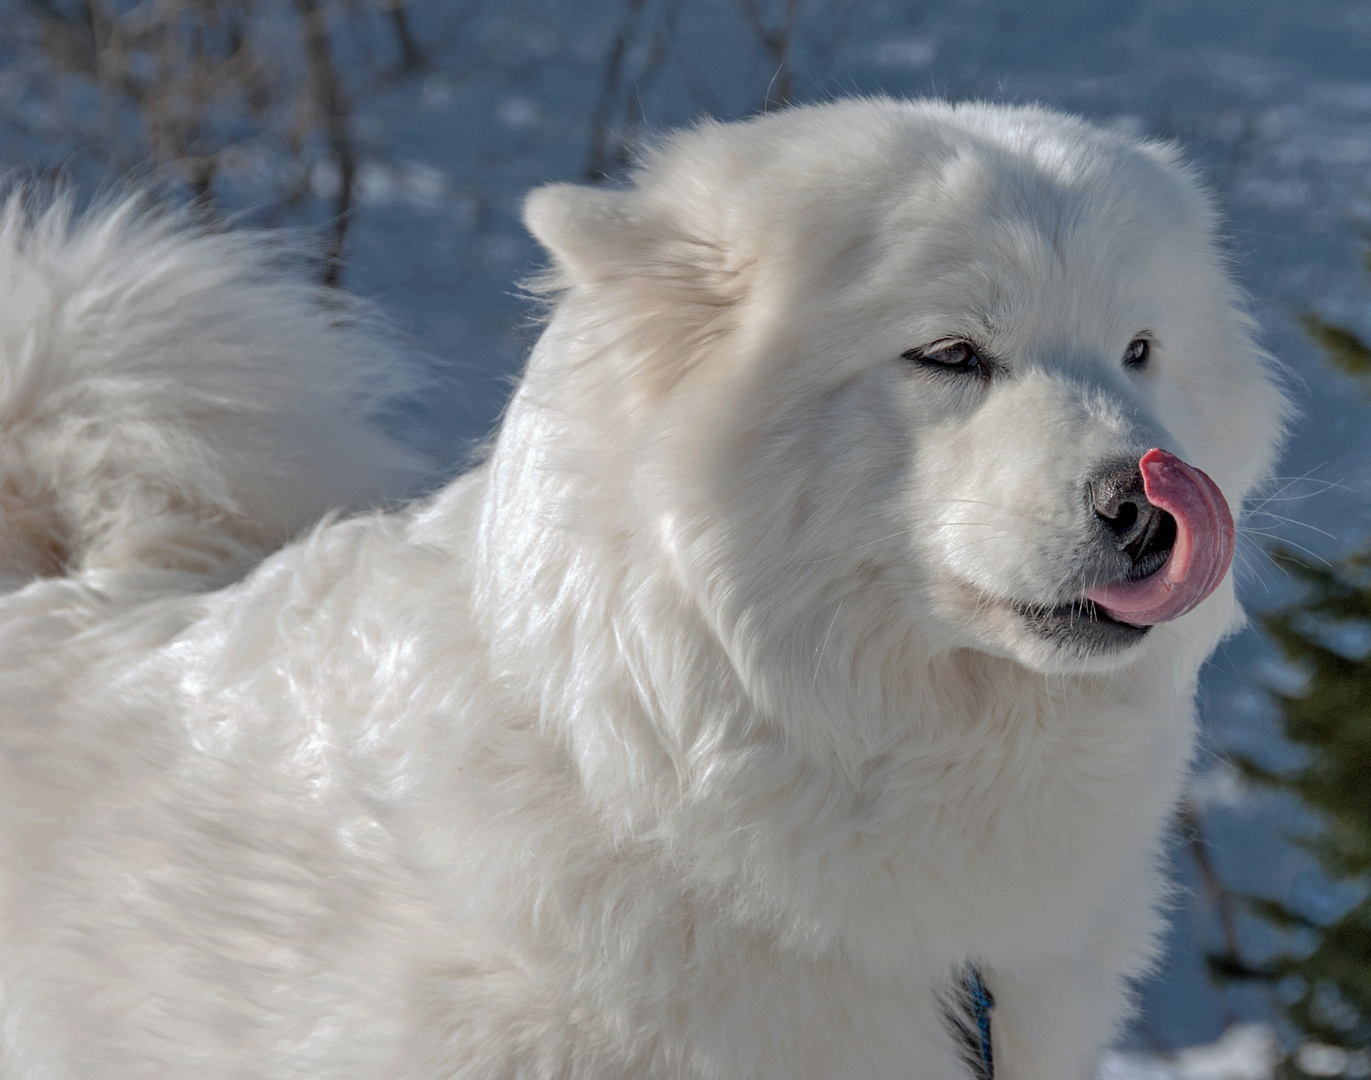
(1200, 557)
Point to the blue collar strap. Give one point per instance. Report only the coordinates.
(970, 1017)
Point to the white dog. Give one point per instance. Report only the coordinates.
(814, 650)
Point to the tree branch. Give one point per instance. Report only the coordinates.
(602, 153)
(411, 56)
(1215, 891)
(332, 105)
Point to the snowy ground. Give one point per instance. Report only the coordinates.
(1244, 1052)
(1272, 99)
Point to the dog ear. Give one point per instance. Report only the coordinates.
(598, 235)
(655, 264)
(586, 230)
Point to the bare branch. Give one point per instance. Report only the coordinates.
(776, 42)
(1215, 891)
(411, 56)
(658, 53)
(331, 104)
(603, 140)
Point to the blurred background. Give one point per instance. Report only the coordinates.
(399, 137)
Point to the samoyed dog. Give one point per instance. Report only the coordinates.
(798, 688)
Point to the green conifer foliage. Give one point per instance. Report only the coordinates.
(1325, 635)
(1326, 975)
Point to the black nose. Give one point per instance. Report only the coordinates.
(1142, 531)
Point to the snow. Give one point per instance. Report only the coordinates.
(1245, 1052)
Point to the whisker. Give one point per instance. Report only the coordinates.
(823, 646)
(1291, 543)
(1013, 510)
(1290, 521)
(1288, 482)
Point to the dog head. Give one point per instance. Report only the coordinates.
(887, 380)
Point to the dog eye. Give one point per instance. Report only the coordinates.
(949, 356)
(1135, 356)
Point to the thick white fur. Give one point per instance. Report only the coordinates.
(176, 397)
(692, 735)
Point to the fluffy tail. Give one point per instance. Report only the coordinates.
(176, 397)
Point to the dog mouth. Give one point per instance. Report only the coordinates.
(1174, 564)
(1081, 625)
(1195, 560)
